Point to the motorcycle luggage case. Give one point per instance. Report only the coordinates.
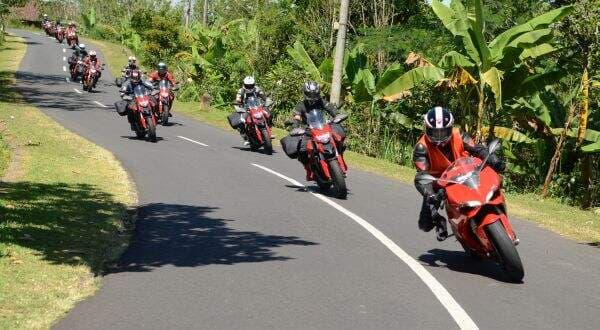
(291, 145)
(235, 120)
(121, 107)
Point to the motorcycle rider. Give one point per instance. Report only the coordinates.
(129, 68)
(128, 87)
(313, 100)
(436, 150)
(250, 89)
(45, 19)
(161, 73)
(92, 61)
(79, 52)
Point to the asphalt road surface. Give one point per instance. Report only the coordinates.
(226, 239)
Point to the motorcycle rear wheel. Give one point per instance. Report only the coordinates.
(506, 251)
(151, 129)
(339, 182)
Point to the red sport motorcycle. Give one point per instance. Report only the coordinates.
(165, 100)
(145, 123)
(476, 211)
(324, 156)
(78, 69)
(60, 34)
(72, 38)
(47, 26)
(91, 76)
(256, 124)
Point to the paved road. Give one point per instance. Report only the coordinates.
(222, 243)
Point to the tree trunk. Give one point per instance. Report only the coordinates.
(205, 13)
(480, 108)
(336, 83)
(586, 178)
(558, 151)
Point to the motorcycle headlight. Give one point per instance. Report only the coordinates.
(144, 103)
(93, 71)
(491, 194)
(470, 204)
(323, 138)
(258, 115)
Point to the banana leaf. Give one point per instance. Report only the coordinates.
(408, 80)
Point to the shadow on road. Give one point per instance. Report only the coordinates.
(260, 151)
(188, 236)
(63, 223)
(459, 261)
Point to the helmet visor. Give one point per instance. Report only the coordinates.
(439, 135)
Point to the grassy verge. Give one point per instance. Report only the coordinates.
(61, 215)
(565, 220)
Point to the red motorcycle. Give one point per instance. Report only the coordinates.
(72, 38)
(144, 112)
(165, 100)
(90, 77)
(47, 26)
(256, 125)
(324, 156)
(60, 34)
(476, 211)
(78, 69)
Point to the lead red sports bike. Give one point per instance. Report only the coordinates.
(91, 76)
(60, 34)
(477, 214)
(324, 156)
(72, 38)
(145, 122)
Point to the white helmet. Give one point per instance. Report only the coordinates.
(93, 53)
(249, 84)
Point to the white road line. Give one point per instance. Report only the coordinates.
(64, 58)
(64, 50)
(193, 141)
(64, 68)
(76, 90)
(67, 79)
(462, 319)
(100, 104)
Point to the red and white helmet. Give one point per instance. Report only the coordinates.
(438, 124)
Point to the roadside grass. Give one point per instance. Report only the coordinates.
(568, 221)
(63, 214)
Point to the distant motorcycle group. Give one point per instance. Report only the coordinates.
(56, 30)
(453, 173)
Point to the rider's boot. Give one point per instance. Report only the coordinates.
(441, 229)
(310, 175)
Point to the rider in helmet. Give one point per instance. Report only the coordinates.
(128, 87)
(79, 53)
(250, 89)
(441, 145)
(92, 59)
(161, 73)
(313, 100)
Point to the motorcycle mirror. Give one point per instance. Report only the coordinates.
(340, 118)
(297, 132)
(492, 147)
(426, 178)
(176, 88)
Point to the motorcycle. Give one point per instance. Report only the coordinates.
(324, 156)
(256, 123)
(78, 70)
(165, 100)
(90, 77)
(72, 39)
(60, 34)
(145, 122)
(477, 214)
(47, 26)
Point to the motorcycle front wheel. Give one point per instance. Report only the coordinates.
(506, 251)
(151, 129)
(165, 115)
(268, 145)
(339, 182)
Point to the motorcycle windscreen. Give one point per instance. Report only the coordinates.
(164, 84)
(315, 119)
(139, 91)
(251, 102)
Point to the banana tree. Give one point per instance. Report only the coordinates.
(486, 62)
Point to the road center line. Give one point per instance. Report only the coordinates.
(100, 104)
(462, 319)
(64, 58)
(193, 141)
(76, 90)
(64, 68)
(64, 50)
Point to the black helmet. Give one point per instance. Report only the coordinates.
(438, 125)
(312, 92)
(161, 68)
(136, 76)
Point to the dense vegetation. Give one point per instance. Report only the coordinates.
(522, 70)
